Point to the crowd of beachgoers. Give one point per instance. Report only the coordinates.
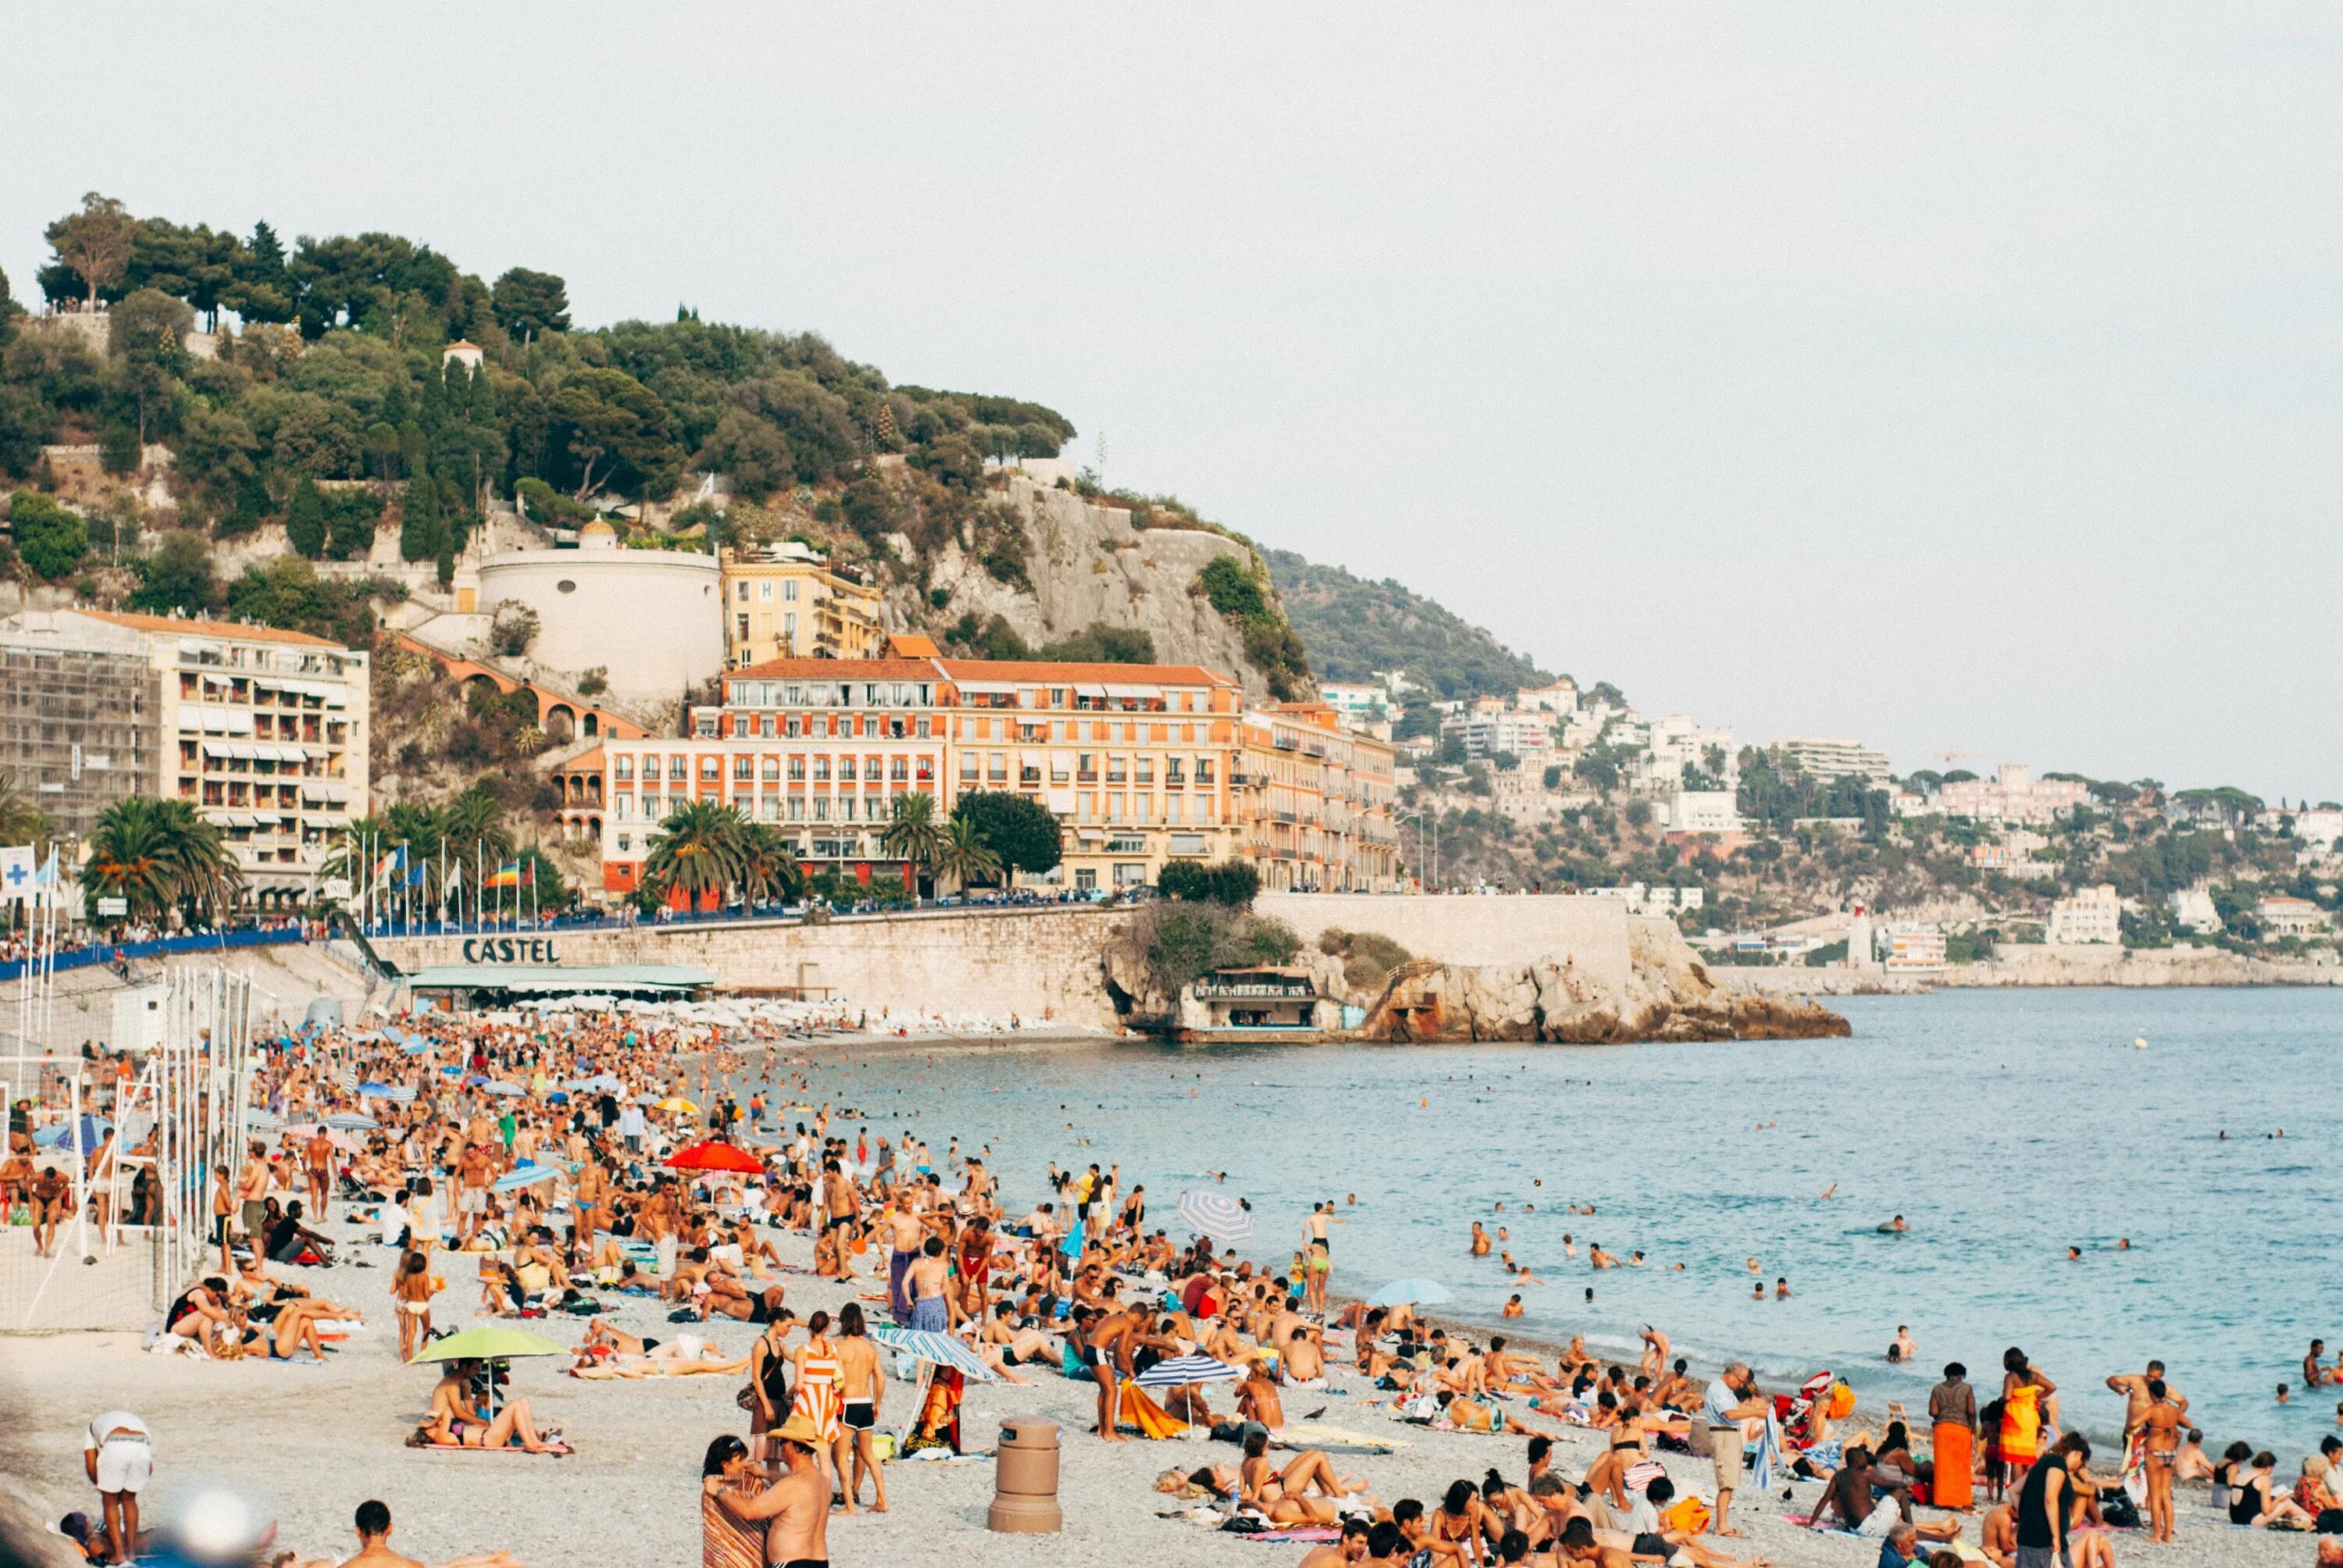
(521, 1174)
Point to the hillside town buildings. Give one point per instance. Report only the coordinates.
(2012, 795)
(2089, 915)
(1835, 759)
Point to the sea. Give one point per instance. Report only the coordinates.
(2199, 1127)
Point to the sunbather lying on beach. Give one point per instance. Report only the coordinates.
(454, 1424)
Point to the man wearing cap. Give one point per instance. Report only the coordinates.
(119, 1458)
(1732, 1398)
(795, 1509)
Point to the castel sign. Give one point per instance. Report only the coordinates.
(510, 951)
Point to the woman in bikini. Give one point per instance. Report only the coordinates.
(411, 1293)
(454, 1424)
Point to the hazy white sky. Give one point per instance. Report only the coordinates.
(1946, 378)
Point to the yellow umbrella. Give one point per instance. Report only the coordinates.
(675, 1102)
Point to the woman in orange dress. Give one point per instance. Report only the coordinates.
(1953, 1415)
(2023, 1389)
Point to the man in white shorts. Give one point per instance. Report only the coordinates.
(119, 1456)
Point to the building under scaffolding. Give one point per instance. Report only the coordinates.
(79, 718)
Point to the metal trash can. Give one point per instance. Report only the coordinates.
(1025, 1479)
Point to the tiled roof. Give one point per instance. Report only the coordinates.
(1041, 672)
(219, 628)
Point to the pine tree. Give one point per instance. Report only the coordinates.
(484, 401)
(888, 438)
(422, 529)
(305, 519)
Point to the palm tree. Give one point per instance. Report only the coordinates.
(129, 859)
(767, 870)
(964, 855)
(913, 836)
(697, 851)
(160, 855)
(21, 822)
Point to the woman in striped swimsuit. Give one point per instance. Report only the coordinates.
(818, 1399)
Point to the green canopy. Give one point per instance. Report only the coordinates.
(489, 1342)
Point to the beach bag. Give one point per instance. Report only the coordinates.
(1842, 1401)
(2118, 1509)
(1687, 1515)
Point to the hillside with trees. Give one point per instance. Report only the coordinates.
(1354, 627)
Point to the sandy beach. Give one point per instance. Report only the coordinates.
(312, 1442)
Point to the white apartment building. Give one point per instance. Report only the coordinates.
(1353, 698)
(2321, 827)
(2283, 915)
(2093, 915)
(1916, 948)
(263, 730)
(1703, 812)
(1640, 900)
(1561, 696)
(2192, 910)
(2012, 795)
(1835, 759)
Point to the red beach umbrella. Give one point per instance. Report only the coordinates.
(714, 1154)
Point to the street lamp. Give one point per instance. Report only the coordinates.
(1418, 818)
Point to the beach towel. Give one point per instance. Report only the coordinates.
(1766, 1467)
(939, 1423)
(726, 1542)
(1952, 1482)
(1151, 1419)
(1308, 1535)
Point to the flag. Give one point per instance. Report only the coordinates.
(390, 862)
(513, 874)
(18, 872)
(415, 874)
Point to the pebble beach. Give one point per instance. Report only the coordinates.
(309, 1443)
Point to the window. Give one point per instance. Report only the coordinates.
(1127, 875)
(772, 769)
(565, 586)
(797, 808)
(790, 594)
(711, 767)
(821, 808)
(797, 770)
(765, 726)
(968, 766)
(821, 769)
(740, 624)
(789, 625)
(1126, 844)
(627, 765)
(846, 768)
(743, 595)
(1187, 844)
(744, 768)
(1086, 767)
(899, 769)
(1085, 877)
(765, 592)
(625, 806)
(1145, 769)
(768, 807)
(846, 808)
(679, 767)
(624, 842)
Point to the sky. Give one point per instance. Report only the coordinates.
(1958, 379)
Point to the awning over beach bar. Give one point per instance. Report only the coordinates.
(493, 985)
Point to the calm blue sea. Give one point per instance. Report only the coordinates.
(2004, 1125)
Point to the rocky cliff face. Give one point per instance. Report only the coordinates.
(1667, 995)
(1088, 566)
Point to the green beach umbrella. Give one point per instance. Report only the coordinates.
(492, 1343)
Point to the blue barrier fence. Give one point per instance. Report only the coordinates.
(111, 953)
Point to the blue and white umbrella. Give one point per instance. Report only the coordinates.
(499, 1086)
(93, 1130)
(398, 1092)
(522, 1176)
(1214, 1214)
(927, 1346)
(351, 1121)
(416, 1048)
(1178, 1370)
(1409, 1292)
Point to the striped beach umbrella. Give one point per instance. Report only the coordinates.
(1178, 1370)
(927, 1346)
(1413, 1292)
(351, 1121)
(1217, 1215)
